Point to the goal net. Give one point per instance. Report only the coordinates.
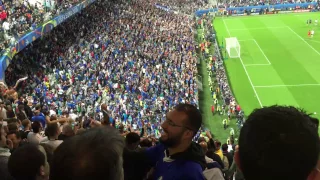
(233, 47)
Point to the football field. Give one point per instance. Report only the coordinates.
(278, 64)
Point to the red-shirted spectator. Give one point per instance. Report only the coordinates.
(3, 15)
(238, 108)
(212, 109)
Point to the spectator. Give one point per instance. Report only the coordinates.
(35, 137)
(218, 149)
(26, 128)
(28, 163)
(176, 148)
(53, 132)
(100, 150)
(132, 140)
(272, 128)
(227, 155)
(40, 118)
(21, 115)
(210, 162)
(132, 171)
(13, 127)
(105, 120)
(213, 171)
(15, 138)
(234, 169)
(211, 151)
(67, 132)
(3, 111)
(4, 155)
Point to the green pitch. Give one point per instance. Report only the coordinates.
(279, 63)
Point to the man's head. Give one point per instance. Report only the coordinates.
(27, 162)
(13, 127)
(224, 147)
(204, 146)
(36, 127)
(53, 130)
(218, 144)
(67, 130)
(132, 140)
(95, 154)
(181, 124)
(26, 124)
(278, 143)
(15, 137)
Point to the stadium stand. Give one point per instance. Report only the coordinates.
(19, 17)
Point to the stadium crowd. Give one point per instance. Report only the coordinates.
(140, 67)
(184, 6)
(19, 17)
(111, 94)
(244, 3)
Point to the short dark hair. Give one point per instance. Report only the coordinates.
(95, 154)
(224, 147)
(18, 135)
(194, 116)
(218, 143)
(146, 143)
(132, 138)
(52, 129)
(28, 154)
(12, 127)
(273, 138)
(36, 126)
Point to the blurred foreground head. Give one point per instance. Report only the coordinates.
(278, 142)
(95, 154)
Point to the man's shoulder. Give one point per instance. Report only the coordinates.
(192, 170)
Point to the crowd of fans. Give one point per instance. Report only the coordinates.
(111, 94)
(185, 6)
(244, 3)
(21, 16)
(140, 67)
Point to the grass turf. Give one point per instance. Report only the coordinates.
(279, 63)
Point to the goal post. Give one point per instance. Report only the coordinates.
(233, 47)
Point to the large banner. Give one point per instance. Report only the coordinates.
(28, 38)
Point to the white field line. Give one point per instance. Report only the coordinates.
(254, 90)
(303, 40)
(262, 51)
(269, 63)
(291, 85)
(248, 29)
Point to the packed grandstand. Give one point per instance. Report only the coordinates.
(115, 90)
